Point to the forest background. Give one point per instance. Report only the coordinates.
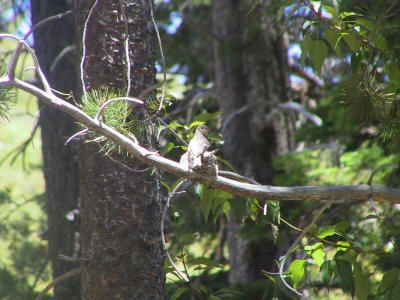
(339, 61)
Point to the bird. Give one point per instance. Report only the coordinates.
(198, 145)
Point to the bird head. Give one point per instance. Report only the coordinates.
(203, 129)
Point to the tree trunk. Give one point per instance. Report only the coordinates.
(251, 78)
(120, 209)
(59, 161)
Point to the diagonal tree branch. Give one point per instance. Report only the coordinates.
(349, 193)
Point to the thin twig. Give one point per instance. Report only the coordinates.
(10, 73)
(233, 175)
(370, 183)
(128, 99)
(84, 131)
(171, 195)
(126, 44)
(57, 281)
(162, 57)
(173, 132)
(47, 20)
(60, 55)
(84, 51)
(126, 167)
(371, 196)
(305, 230)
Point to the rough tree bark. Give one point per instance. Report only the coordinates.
(59, 161)
(251, 78)
(120, 210)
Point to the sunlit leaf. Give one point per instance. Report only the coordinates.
(326, 231)
(206, 116)
(207, 262)
(297, 271)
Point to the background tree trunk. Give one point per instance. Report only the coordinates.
(120, 209)
(59, 161)
(251, 78)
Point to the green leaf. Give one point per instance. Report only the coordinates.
(362, 285)
(213, 297)
(206, 202)
(178, 292)
(343, 273)
(333, 37)
(396, 292)
(389, 279)
(342, 226)
(326, 272)
(206, 116)
(346, 14)
(305, 48)
(273, 208)
(226, 209)
(297, 271)
(353, 43)
(218, 205)
(175, 125)
(207, 262)
(381, 43)
(326, 231)
(318, 51)
(239, 207)
(280, 13)
(290, 14)
(200, 190)
(188, 238)
(366, 23)
(393, 72)
(355, 63)
(332, 11)
(168, 148)
(318, 254)
(345, 246)
(195, 123)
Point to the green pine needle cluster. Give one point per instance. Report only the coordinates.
(117, 115)
(372, 101)
(7, 97)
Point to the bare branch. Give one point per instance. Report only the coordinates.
(301, 193)
(57, 281)
(162, 57)
(171, 195)
(82, 64)
(297, 107)
(60, 55)
(47, 20)
(126, 45)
